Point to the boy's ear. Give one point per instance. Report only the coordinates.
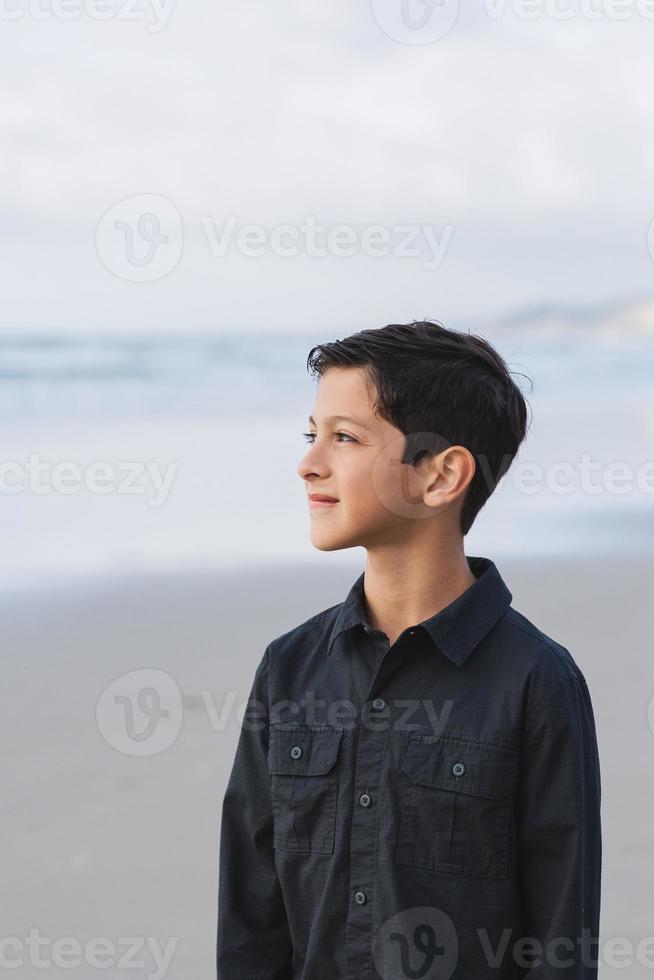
(447, 473)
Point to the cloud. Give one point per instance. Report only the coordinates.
(272, 113)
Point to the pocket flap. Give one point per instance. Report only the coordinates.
(460, 765)
(318, 750)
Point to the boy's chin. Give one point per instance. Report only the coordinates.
(332, 542)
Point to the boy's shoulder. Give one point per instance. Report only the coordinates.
(310, 629)
(546, 665)
(532, 641)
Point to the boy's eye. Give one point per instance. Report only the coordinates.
(310, 436)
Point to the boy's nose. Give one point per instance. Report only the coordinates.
(311, 465)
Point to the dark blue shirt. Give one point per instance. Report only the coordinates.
(429, 809)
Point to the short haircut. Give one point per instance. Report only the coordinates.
(441, 388)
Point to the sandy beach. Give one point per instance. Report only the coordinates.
(101, 843)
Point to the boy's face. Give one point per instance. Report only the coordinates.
(357, 460)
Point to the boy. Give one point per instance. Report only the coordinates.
(416, 788)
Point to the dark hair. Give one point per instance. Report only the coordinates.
(441, 388)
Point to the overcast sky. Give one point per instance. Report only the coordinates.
(506, 163)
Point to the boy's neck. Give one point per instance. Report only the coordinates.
(401, 591)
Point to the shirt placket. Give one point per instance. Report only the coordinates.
(371, 747)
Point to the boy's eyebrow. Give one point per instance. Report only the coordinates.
(342, 418)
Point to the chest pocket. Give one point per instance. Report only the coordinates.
(304, 787)
(457, 808)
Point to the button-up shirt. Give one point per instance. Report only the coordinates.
(425, 809)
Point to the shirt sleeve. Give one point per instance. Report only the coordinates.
(559, 835)
(253, 933)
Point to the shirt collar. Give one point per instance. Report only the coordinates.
(458, 628)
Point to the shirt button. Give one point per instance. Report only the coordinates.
(365, 799)
(411, 633)
(296, 752)
(458, 768)
(379, 704)
(360, 898)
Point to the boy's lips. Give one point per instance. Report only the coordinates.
(321, 500)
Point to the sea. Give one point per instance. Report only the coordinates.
(139, 453)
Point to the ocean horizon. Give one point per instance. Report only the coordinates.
(218, 420)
